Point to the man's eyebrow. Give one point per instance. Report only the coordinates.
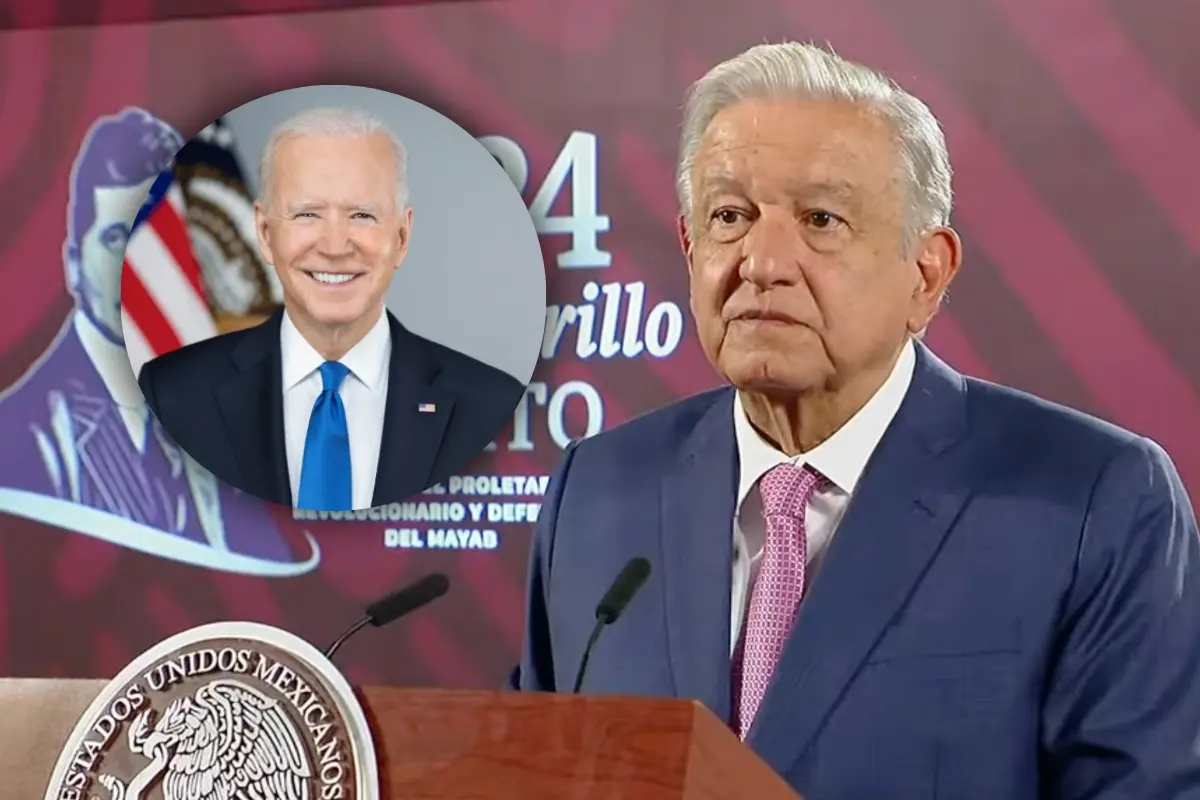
(313, 205)
(830, 188)
(721, 184)
(842, 189)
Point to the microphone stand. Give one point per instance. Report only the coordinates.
(601, 623)
(358, 626)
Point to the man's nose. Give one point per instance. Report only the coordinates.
(772, 249)
(335, 240)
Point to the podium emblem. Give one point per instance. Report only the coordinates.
(223, 711)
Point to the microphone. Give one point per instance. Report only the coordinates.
(395, 605)
(627, 583)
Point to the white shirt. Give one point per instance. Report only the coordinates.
(363, 393)
(841, 458)
(112, 362)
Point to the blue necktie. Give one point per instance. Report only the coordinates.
(325, 471)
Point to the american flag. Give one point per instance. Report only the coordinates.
(164, 305)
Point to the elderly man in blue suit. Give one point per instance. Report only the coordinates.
(892, 580)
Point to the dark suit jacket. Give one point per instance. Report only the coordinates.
(222, 401)
(1010, 608)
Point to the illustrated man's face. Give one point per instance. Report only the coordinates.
(102, 251)
(331, 226)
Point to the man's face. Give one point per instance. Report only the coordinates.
(102, 252)
(799, 276)
(332, 229)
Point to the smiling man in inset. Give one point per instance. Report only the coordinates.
(331, 404)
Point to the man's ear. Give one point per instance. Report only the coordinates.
(260, 230)
(405, 234)
(939, 255)
(685, 240)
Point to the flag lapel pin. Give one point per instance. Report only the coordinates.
(427, 408)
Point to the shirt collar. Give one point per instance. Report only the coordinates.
(111, 361)
(367, 360)
(842, 457)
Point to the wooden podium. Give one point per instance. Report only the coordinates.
(450, 745)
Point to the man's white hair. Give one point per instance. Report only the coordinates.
(332, 122)
(808, 72)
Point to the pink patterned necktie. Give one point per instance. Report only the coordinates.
(786, 491)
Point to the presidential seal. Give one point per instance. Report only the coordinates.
(224, 711)
(220, 215)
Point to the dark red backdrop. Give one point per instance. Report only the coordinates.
(1073, 125)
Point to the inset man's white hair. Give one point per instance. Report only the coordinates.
(808, 72)
(332, 122)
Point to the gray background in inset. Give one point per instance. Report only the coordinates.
(474, 278)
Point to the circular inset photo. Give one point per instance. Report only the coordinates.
(334, 299)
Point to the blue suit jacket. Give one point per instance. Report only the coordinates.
(1010, 609)
(221, 399)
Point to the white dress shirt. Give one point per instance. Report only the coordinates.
(363, 393)
(841, 458)
(112, 362)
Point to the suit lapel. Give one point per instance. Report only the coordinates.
(901, 512)
(414, 419)
(252, 407)
(698, 497)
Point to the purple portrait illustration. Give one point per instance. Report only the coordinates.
(82, 450)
